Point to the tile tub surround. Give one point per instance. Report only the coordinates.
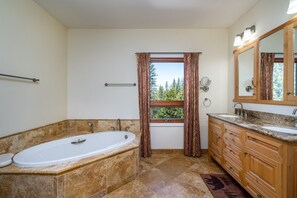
(120, 166)
(25, 139)
(257, 119)
(20, 141)
(94, 179)
(78, 125)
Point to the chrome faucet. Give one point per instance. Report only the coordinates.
(294, 113)
(119, 124)
(241, 108)
(91, 125)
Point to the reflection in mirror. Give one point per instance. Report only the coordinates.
(272, 67)
(245, 73)
(295, 61)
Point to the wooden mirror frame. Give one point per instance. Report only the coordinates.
(288, 99)
(239, 98)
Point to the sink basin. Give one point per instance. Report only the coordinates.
(280, 129)
(229, 116)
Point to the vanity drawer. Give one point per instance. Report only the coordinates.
(234, 154)
(233, 135)
(266, 147)
(258, 188)
(233, 170)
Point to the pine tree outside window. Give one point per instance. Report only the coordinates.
(167, 90)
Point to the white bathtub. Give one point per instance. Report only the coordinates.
(72, 148)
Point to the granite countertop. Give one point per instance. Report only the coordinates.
(256, 124)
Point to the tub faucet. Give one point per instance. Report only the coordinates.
(91, 125)
(119, 124)
(241, 108)
(294, 113)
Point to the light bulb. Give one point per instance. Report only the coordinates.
(247, 35)
(292, 7)
(237, 40)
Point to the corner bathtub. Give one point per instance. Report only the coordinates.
(72, 148)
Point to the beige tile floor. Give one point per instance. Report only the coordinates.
(169, 176)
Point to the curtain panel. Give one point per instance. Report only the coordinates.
(266, 76)
(192, 146)
(143, 69)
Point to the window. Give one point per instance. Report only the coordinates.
(167, 89)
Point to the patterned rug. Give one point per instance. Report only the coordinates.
(224, 186)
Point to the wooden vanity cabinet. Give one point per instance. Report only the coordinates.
(263, 162)
(232, 151)
(263, 165)
(215, 139)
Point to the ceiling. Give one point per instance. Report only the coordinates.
(147, 13)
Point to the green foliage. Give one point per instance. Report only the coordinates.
(153, 82)
(278, 80)
(174, 91)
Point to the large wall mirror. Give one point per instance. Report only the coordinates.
(292, 64)
(271, 65)
(246, 73)
(266, 68)
(245, 78)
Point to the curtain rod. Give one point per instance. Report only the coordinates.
(168, 52)
(20, 77)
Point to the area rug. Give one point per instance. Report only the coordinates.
(224, 186)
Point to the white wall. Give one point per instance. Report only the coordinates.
(32, 44)
(96, 56)
(266, 15)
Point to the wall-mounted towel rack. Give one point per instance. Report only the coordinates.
(120, 84)
(20, 77)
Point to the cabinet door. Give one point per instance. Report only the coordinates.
(263, 165)
(215, 139)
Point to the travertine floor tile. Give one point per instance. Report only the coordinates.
(133, 189)
(169, 175)
(155, 179)
(175, 166)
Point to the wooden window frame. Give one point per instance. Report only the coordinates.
(166, 103)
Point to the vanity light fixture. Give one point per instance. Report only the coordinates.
(292, 7)
(244, 36)
(248, 33)
(238, 40)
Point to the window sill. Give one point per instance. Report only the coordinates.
(166, 124)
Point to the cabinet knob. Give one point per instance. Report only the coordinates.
(289, 93)
(259, 195)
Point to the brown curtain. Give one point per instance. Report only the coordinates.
(143, 62)
(267, 61)
(192, 145)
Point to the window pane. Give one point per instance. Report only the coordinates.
(167, 112)
(278, 79)
(167, 81)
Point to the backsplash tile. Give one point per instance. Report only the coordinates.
(23, 140)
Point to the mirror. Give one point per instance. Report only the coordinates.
(273, 77)
(245, 61)
(294, 73)
(246, 73)
(271, 64)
